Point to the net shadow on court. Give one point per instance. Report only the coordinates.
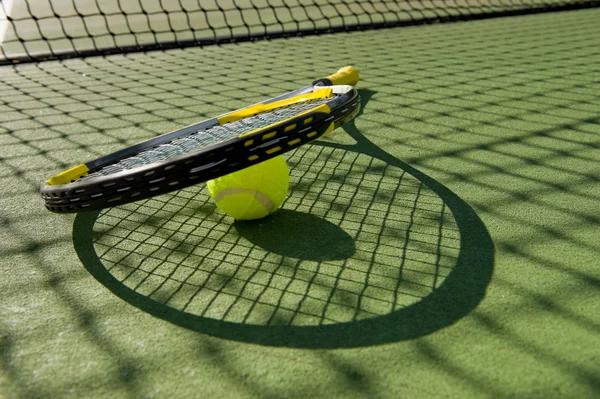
(520, 129)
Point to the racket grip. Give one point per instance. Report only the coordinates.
(347, 75)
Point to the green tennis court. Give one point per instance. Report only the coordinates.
(444, 244)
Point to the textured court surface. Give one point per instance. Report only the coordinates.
(443, 245)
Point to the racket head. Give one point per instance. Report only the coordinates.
(312, 114)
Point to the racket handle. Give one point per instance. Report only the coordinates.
(347, 75)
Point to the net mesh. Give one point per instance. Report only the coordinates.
(32, 30)
(206, 138)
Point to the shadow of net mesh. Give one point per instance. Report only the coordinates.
(32, 30)
(506, 119)
(180, 250)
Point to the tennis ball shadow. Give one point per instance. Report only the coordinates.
(298, 235)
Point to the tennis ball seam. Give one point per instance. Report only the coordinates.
(260, 197)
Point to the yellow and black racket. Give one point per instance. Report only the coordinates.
(209, 149)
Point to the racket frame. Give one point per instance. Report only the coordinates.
(66, 193)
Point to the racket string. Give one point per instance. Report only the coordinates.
(205, 138)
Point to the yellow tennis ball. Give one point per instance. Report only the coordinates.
(254, 192)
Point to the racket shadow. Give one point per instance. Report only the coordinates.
(366, 250)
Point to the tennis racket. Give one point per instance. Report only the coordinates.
(209, 149)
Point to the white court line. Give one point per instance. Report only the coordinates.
(5, 10)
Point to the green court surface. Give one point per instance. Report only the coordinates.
(445, 244)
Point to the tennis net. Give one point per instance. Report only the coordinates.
(35, 30)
